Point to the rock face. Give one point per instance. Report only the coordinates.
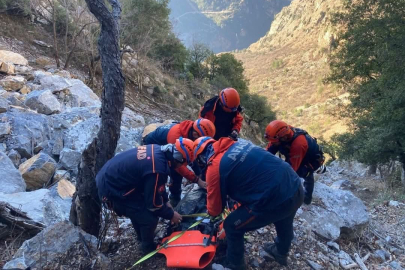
(14, 58)
(43, 102)
(335, 213)
(11, 179)
(12, 83)
(42, 205)
(59, 244)
(38, 170)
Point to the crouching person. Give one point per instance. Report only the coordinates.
(133, 183)
(267, 188)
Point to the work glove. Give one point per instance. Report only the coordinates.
(234, 135)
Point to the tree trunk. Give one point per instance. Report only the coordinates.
(85, 210)
(55, 40)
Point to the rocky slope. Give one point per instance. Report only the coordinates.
(47, 118)
(289, 63)
(223, 25)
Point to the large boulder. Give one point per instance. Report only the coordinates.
(29, 128)
(12, 83)
(71, 92)
(11, 179)
(63, 246)
(335, 213)
(45, 206)
(132, 125)
(43, 102)
(38, 170)
(14, 58)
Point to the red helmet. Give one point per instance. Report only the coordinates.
(230, 99)
(185, 147)
(200, 144)
(276, 130)
(204, 127)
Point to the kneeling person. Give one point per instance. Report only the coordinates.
(169, 134)
(133, 182)
(267, 188)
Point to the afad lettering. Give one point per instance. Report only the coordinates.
(141, 154)
(237, 150)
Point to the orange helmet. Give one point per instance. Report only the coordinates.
(230, 99)
(276, 130)
(185, 147)
(204, 127)
(200, 144)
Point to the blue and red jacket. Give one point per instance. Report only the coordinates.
(137, 173)
(298, 152)
(249, 175)
(224, 122)
(169, 134)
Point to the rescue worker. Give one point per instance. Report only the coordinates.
(267, 188)
(133, 184)
(300, 150)
(225, 112)
(169, 134)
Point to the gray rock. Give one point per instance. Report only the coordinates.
(3, 147)
(3, 105)
(342, 184)
(344, 258)
(57, 146)
(70, 159)
(266, 256)
(396, 265)
(15, 157)
(257, 262)
(42, 205)
(341, 214)
(381, 255)
(5, 129)
(323, 247)
(393, 203)
(333, 245)
(314, 265)
(29, 129)
(77, 94)
(43, 102)
(77, 127)
(11, 179)
(45, 146)
(54, 244)
(22, 145)
(38, 170)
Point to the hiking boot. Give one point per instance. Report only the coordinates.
(271, 248)
(147, 247)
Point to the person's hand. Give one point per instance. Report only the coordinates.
(234, 135)
(201, 183)
(176, 219)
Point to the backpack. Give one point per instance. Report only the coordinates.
(314, 157)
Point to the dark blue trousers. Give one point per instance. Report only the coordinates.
(243, 220)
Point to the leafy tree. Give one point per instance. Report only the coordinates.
(227, 66)
(172, 54)
(257, 109)
(369, 61)
(19, 7)
(198, 54)
(145, 23)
